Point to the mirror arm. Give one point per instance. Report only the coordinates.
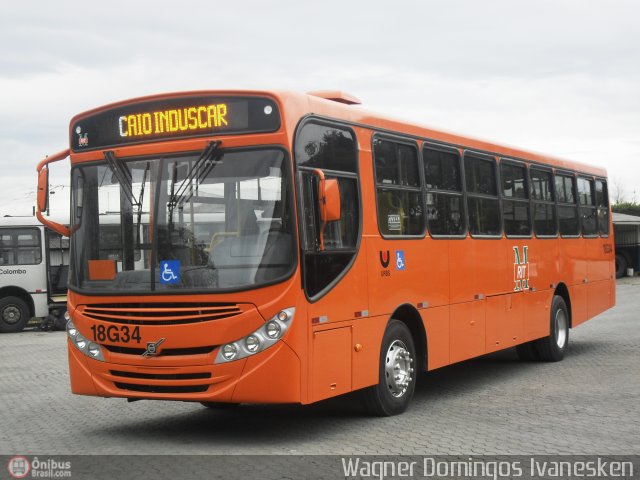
(320, 174)
(56, 227)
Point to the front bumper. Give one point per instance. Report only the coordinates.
(271, 376)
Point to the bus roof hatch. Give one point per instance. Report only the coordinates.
(336, 96)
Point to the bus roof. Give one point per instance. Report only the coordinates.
(342, 106)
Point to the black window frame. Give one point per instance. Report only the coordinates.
(467, 194)
(297, 169)
(400, 188)
(559, 204)
(428, 145)
(606, 206)
(593, 207)
(552, 202)
(525, 201)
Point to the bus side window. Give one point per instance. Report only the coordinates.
(544, 212)
(483, 206)
(567, 209)
(602, 203)
(445, 209)
(399, 193)
(587, 206)
(515, 200)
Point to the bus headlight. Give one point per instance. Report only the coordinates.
(273, 329)
(264, 337)
(90, 349)
(229, 351)
(252, 343)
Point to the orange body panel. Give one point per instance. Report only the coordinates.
(463, 289)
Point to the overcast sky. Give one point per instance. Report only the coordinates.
(559, 77)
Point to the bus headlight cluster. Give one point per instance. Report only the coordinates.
(90, 349)
(263, 338)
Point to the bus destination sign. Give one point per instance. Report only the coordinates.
(174, 118)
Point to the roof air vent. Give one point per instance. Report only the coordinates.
(336, 96)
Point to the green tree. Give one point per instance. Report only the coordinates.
(627, 208)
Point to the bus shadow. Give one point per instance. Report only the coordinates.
(253, 424)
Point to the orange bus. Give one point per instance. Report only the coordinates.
(284, 247)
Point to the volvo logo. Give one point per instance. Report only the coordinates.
(152, 348)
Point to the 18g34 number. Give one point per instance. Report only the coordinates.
(114, 333)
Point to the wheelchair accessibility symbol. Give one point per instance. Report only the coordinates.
(400, 260)
(169, 271)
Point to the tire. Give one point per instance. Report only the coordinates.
(553, 347)
(621, 265)
(14, 314)
(392, 395)
(220, 405)
(527, 352)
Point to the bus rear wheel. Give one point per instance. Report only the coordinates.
(14, 314)
(397, 379)
(553, 347)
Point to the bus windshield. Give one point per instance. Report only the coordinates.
(215, 220)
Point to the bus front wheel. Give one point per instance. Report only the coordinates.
(397, 378)
(553, 347)
(14, 314)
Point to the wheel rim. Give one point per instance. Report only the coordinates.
(561, 328)
(11, 314)
(398, 370)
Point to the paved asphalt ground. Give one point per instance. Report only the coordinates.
(587, 404)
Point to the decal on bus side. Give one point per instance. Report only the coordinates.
(17, 271)
(521, 269)
(385, 260)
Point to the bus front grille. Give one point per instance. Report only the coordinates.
(162, 388)
(165, 352)
(161, 313)
(161, 376)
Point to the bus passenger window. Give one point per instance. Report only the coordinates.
(602, 202)
(445, 211)
(544, 212)
(482, 195)
(399, 194)
(587, 206)
(20, 247)
(515, 200)
(567, 209)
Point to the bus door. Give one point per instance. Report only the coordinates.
(57, 255)
(334, 275)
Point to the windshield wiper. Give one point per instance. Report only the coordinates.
(198, 172)
(122, 174)
(144, 180)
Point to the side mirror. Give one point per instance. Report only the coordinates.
(43, 189)
(329, 197)
(328, 202)
(43, 193)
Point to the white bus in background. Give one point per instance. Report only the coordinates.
(34, 267)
